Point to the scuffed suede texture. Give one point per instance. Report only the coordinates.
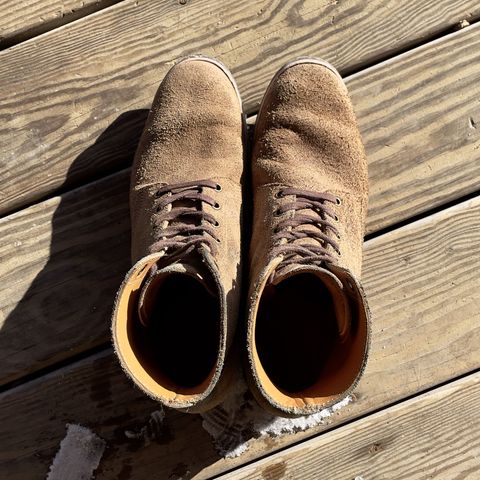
(194, 132)
(306, 137)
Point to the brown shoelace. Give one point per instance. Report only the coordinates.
(186, 226)
(291, 229)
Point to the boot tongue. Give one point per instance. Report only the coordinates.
(194, 267)
(335, 287)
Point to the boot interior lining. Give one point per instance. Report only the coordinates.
(296, 332)
(298, 355)
(179, 346)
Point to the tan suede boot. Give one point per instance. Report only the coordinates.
(308, 320)
(176, 311)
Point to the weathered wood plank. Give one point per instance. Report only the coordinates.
(59, 276)
(406, 177)
(62, 261)
(420, 120)
(422, 282)
(61, 90)
(23, 20)
(436, 435)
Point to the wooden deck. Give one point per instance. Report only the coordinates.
(76, 79)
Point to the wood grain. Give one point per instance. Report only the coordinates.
(60, 91)
(412, 173)
(62, 262)
(436, 435)
(419, 116)
(60, 276)
(422, 284)
(26, 19)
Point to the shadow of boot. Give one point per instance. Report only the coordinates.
(74, 249)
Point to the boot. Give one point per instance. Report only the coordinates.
(308, 320)
(175, 313)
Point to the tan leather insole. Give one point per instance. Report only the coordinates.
(179, 345)
(296, 332)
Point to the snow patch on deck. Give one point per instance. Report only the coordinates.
(239, 418)
(79, 455)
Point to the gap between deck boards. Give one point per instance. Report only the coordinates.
(27, 20)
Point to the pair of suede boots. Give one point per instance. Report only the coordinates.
(175, 319)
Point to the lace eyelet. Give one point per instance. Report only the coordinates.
(218, 187)
(216, 206)
(158, 210)
(277, 212)
(336, 218)
(338, 201)
(218, 240)
(279, 194)
(216, 224)
(157, 194)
